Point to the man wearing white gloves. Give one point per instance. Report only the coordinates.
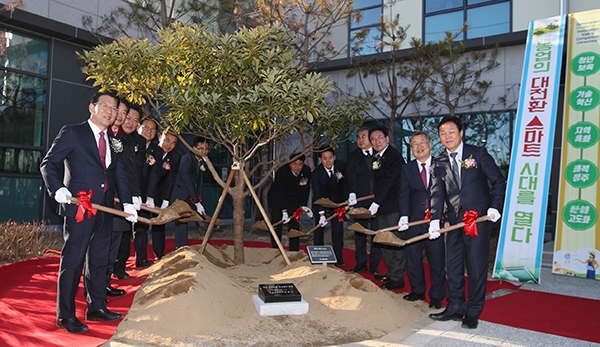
(167, 173)
(461, 180)
(191, 166)
(415, 182)
(290, 191)
(91, 162)
(386, 206)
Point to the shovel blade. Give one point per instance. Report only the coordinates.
(360, 229)
(296, 233)
(261, 225)
(388, 238)
(325, 202)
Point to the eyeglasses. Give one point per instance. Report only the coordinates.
(106, 107)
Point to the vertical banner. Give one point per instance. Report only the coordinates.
(577, 231)
(519, 254)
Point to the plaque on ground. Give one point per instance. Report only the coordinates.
(278, 292)
(321, 254)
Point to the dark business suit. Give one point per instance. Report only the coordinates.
(414, 198)
(167, 173)
(387, 189)
(361, 181)
(184, 189)
(86, 242)
(334, 188)
(474, 194)
(148, 181)
(288, 192)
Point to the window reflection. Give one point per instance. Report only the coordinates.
(20, 199)
(22, 52)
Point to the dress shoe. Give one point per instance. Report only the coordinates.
(374, 270)
(435, 303)
(72, 325)
(446, 315)
(142, 263)
(358, 268)
(120, 274)
(382, 278)
(103, 314)
(340, 264)
(392, 285)
(470, 322)
(110, 291)
(414, 297)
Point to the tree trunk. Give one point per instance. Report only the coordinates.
(237, 193)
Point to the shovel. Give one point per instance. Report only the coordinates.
(297, 233)
(181, 208)
(153, 221)
(388, 238)
(261, 225)
(359, 228)
(325, 202)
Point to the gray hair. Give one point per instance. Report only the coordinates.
(417, 133)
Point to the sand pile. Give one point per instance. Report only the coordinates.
(190, 299)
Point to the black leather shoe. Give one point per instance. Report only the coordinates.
(142, 263)
(340, 264)
(358, 269)
(382, 278)
(72, 325)
(374, 270)
(414, 297)
(446, 315)
(103, 314)
(470, 322)
(110, 291)
(435, 303)
(120, 274)
(392, 285)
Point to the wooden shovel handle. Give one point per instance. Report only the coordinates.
(315, 227)
(359, 199)
(112, 211)
(145, 207)
(445, 230)
(411, 224)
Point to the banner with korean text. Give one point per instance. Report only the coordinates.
(519, 254)
(577, 240)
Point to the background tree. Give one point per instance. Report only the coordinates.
(243, 91)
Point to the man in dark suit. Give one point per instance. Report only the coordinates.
(134, 148)
(167, 173)
(148, 181)
(91, 162)
(415, 181)
(329, 181)
(191, 167)
(361, 182)
(461, 176)
(290, 191)
(385, 206)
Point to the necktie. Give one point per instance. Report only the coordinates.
(455, 168)
(424, 178)
(330, 172)
(102, 152)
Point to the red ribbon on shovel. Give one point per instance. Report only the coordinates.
(85, 205)
(470, 226)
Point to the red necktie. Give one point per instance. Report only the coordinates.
(102, 152)
(424, 178)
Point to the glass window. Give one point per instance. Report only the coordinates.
(370, 44)
(436, 26)
(488, 20)
(20, 199)
(23, 52)
(440, 5)
(475, 2)
(366, 3)
(369, 17)
(16, 160)
(22, 101)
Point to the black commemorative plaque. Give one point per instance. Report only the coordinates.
(321, 254)
(278, 292)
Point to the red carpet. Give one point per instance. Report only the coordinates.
(28, 305)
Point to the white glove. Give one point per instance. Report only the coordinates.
(129, 208)
(200, 209)
(403, 223)
(308, 211)
(137, 202)
(434, 226)
(323, 221)
(373, 208)
(150, 202)
(352, 199)
(165, 204)
(493, 212)
(284, 217)
(61, 195)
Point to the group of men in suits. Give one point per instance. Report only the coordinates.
(112, 155)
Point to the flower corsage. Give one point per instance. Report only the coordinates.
(376, 164)
(303, 181)
(469, 162)
(116, 145)
(166, 165)
(150, 159)
(338, 176)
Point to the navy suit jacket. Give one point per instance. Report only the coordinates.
(323, 187)
(413, 194)
(75, 149)
(387, 181)
(288, 191)
(167, 174)
(361, 178)
(186, 181)
(474, 194)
